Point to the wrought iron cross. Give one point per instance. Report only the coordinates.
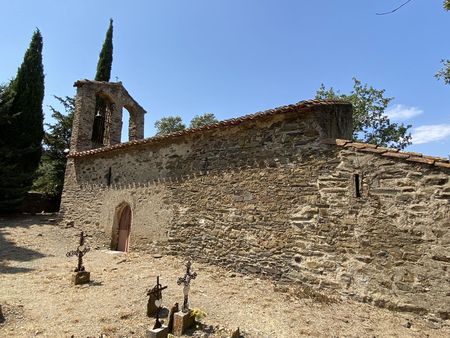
(158, 301)
(186, 281)
(79, 252)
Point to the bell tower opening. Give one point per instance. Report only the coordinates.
(98, 115)
(104, 108)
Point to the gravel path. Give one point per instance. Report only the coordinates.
(38, 299)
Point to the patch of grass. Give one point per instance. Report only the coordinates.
(198, 314)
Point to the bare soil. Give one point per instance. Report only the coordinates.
(38, 299)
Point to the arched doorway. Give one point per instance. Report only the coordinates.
(124, 229)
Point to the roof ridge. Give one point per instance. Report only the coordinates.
(409, 156)
(306, 104)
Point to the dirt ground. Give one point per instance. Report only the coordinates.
(38, 300)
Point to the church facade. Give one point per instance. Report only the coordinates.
(282, 194)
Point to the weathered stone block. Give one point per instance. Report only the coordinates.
(81, 277)
(182, 321)
(162, 332)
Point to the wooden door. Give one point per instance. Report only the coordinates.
(124, 229)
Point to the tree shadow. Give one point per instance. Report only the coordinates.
(9, 250)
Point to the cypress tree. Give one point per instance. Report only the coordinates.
(21, 127)
(103, 74)
(106, 56)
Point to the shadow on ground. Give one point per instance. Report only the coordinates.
(9, 250)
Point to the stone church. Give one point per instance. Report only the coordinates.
(283, 194)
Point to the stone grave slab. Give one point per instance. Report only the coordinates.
(182, 321)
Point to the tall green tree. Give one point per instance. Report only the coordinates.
(203, 120)
(370, 123)
(21, 127)
(50, 179)
(169, 124)
(106, 56)
(52, 168)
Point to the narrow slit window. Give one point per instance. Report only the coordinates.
(357, 185)
(109, 176)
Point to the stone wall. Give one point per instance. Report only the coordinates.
(268, 197)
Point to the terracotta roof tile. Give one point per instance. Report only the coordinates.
(421, 160)
(360, 145)
(391, 152)
(442, 165)
(341, 142)
(372, 150)
(410, 153)
(396, 155)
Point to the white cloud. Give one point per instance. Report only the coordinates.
(402, 112)
(430, 133)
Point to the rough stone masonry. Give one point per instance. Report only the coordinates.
(281, 194)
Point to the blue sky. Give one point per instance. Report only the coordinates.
(234, 57)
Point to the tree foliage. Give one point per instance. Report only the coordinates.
(447, 5)
(203, 120)
(21, 127)
(52, 168)
(172, 124)
(444, 72)
(169, 124)
(106, 56)
(370, 123)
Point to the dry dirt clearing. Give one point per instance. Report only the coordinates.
(38, 300)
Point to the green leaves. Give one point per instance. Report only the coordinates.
(447, 5)
(21, 127)
(444, 72)
(50, 175)
(370, 123)
(106, 56)
(170, 124)
(203, 120)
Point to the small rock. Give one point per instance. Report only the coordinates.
(39, 235)
(157, 256)
(408, 324)
(382, 253)
(70, 224)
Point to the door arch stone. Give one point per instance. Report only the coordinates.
(120, 240)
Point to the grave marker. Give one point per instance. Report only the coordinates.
(186, 281)
(81, 276)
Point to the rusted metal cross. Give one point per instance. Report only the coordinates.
(186, 281)
(156, 292)
(79, 252)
